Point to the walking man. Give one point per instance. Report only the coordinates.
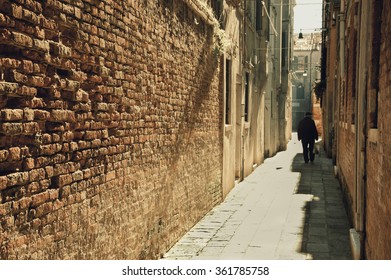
(307, 133)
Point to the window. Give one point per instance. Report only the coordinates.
(284, 47)
(258, 16)
(295, 63)
(227, 91)
(216, 7)
(249, 12)
(246, 97)
(300, 60)
(300, 92)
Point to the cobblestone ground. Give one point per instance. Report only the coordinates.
(284, 210)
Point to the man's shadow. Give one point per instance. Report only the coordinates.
(326, 226)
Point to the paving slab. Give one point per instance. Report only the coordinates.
(284, 210)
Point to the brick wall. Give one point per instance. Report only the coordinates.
(346, 159)
(317, 115)
(378, 203)
(347, 137)
(110, 127)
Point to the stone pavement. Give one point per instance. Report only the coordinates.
(284, 210)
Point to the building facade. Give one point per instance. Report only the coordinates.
(258, 102)
(285, 97)
(357, 119)
(277, 89)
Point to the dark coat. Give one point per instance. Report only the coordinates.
(307, 129)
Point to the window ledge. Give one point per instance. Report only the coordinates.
(343, 124)
(228, 128)
(373, 135)
(353, 128)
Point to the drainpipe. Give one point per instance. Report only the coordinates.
(342, 42)
(310, 70)
(244, 58)
(358, 233)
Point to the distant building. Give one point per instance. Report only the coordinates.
(306, 72)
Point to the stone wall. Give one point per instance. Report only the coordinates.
(110, 127)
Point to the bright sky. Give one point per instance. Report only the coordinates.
(308, 15)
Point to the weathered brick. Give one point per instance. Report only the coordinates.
(72, 85)
(27, 66)
(26, 91)
(58, 116)
(59, 49)
(49, 171)
(14, 154)
(37, 103)
(41, 45)
(58, 204)
(62, 116)
(11, 114)
(37, 175)
(33, 187)
(90, 135)
(65, 192)
(41, 115)
(8, 88)
(3, 155)
(39, 199)
(29, 164)
(53, 194)
(17, 178)
(31, 128)
(28, 114)
(63, 180)
(11, 128)
(87, 173)
(110, 176)
(21, 39)
(77, 176)
(43, 209)
(17, 11)
(45, 184)
(3, 183)
(36, 223)
(23, 204)
(30, 16)
(37, 81)
(15, 76)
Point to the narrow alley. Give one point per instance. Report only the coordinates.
(284, 210)
(129, 130)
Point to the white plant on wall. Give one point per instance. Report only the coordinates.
(222, 43)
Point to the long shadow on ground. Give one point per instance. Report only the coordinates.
(326, 228)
